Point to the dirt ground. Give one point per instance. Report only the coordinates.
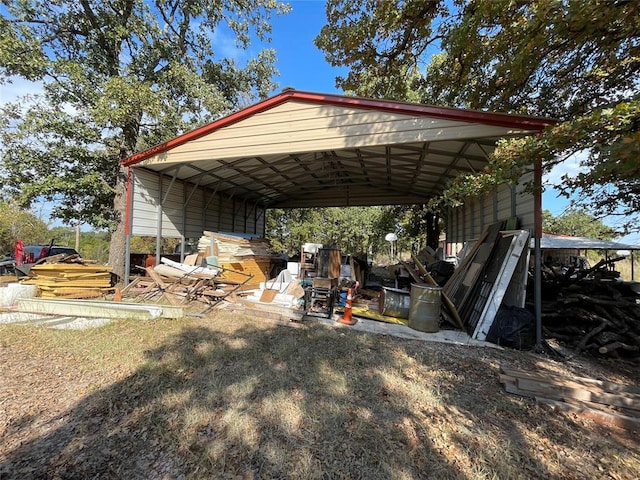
(162, 408)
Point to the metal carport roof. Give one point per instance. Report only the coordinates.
(301, 149)
(562, 242)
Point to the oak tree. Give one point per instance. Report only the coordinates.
(577, 61)
(119, 76)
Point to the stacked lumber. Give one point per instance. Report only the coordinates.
(239, 257)
(595, 316)
(71, 280)
(604, 402)
(239, 271)
(230, 247)
(6, 279)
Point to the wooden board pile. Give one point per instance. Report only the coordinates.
(71, 280)
(179, 284)
(596, 316)
(239, 257)
(604, 402)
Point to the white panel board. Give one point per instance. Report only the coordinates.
(519, 245)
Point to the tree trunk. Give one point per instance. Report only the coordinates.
(118, 236)
(433, 230)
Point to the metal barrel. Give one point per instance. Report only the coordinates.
(394, 302)
(424, 312)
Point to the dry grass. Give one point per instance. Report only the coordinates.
(621, 266)
(624, 267)
(233, 397)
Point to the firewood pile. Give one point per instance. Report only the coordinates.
(596, 316)
(605, 402)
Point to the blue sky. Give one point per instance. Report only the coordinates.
(303, 67)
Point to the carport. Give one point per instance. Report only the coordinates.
(301, 149)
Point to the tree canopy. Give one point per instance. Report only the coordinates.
(119, 76)
(18, 224)
(577, 223)
(355, 230)
(577, 61)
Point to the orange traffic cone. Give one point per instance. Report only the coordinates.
(346, 317)
(117, 296)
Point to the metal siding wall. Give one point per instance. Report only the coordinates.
(172, 208)
(504, 202)
(226, 215)
(260, 221)
(194, 219)
(467, 222)
(525, 203)
(145, 195)
(239, 211)
(212, 211)
(205, 210)
(476, 218)
(491, 212)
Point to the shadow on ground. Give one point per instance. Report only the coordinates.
(312, 402)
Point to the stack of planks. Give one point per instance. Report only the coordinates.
(604, 402)
(239, 257)
(71, 280)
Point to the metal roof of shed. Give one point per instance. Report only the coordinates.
(302, 149)
(552, 242)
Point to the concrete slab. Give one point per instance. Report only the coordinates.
(22, 317)
(457, 337)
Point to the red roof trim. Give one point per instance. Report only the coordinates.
(472, 116)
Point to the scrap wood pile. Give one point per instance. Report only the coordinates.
(70, 277)
(604, 402)
(239, 256)
(178, 283)
(595, 316)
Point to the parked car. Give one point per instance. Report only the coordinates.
(34, 254)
